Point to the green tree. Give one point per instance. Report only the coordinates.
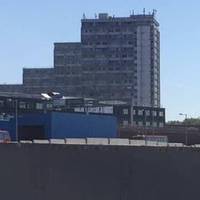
(192, 121)
(188, 121)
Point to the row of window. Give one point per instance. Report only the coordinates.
(112, 21)
(144, 112)
(66, 48)
(67, 60)
(116, 55)
(23, 105)
(141, 123)
(106, 68)
(110, 43)
(110, 30)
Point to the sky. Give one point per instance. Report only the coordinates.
(29, 29)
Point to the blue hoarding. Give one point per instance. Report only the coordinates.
(62, 125)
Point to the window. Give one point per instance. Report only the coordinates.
(154, 113)
(161, 124)
(125, 123)
(147, 112)
(140, 112)
(28, 106)
(161, 114)
(125, 111)
(134, 123)
(154, 124)
(1, 103)
(140, 123)
(134, 112)
(39, 106)
(147, 123)
(22, 105)
(59, 60)
(130, 42)
(49, 106)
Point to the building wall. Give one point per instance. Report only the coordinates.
(38, 80)
(33, 171)
(67, 68)
(142, 116)
(144, 65)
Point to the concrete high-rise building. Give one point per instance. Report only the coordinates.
(121, 58)
(118, 58)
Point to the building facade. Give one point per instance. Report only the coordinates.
(10, 104)
(118, 58)
(37, 80)
(67, 68)
(141, 116)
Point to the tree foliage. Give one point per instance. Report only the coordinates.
(188, 121)
(192, 121)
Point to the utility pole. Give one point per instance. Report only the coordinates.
(131, 104)
(131, 111)
(16, 120)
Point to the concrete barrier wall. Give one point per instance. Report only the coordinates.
(118, 141)
(80, 172)
(57, 141)
(98, 141)
(75, 140)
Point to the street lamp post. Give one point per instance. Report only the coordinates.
(14, 104)
(131, 104)
(144, 114)
(131, 111)
(16, 120)
(153, 123)
(186, 134)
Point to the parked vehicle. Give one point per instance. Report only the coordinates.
(4, 136)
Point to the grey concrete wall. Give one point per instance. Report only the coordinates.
(33, 171)
(144, 65)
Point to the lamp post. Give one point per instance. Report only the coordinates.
(144, 120)
(153, 123)
(186, 135)
(14, 103)
(132, 104)
(16, 120)
(131, 111)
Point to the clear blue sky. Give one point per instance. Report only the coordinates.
(29, 29)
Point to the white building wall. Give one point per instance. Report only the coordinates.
(144, 65)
